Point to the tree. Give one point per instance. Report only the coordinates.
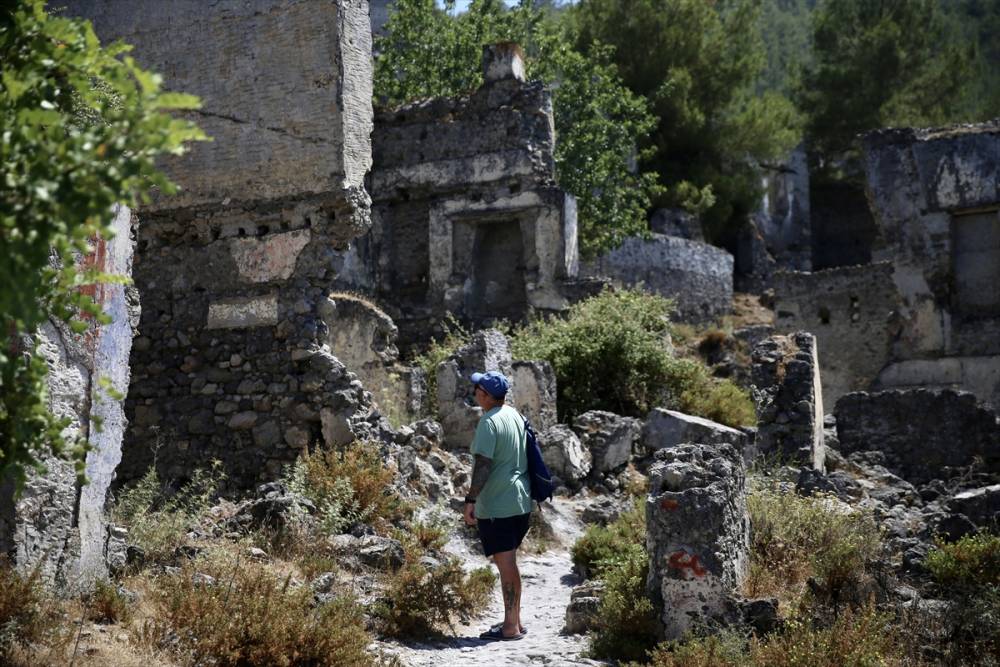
(600, 123)
(80, 126)
(698, 64)
(879, 63)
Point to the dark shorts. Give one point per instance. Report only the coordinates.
(503, 534)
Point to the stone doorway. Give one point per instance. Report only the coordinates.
(976, 258)
(496, 287)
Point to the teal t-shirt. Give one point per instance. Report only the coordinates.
(500, 436)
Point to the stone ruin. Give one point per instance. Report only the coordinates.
(56, 524)
(467, 217)
(921, 307)
(697, 535)
(233, 359)
(789, 400)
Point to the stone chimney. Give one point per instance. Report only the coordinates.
(503, 60)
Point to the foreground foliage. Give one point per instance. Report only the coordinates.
(349, 485)
(159, 517)
(27, 615)
(855, 639)
(82, 126)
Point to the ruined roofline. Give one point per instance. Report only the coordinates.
(846, 270)
(907, 135)
(427, 109)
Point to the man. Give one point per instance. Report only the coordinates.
(499, 498)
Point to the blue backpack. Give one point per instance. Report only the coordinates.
(538, 473)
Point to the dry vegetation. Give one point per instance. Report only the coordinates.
(205, 593)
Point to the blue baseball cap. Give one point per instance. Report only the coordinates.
(494, 383)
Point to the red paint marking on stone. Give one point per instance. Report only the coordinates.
(669, 504)
(682, 560)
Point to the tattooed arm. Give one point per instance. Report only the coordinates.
(480, 473)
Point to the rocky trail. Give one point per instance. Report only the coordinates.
(548, 580)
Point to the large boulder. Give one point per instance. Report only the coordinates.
(564, 454)
(668, 428)
(981, 506)
(533, 392)
(608, 437)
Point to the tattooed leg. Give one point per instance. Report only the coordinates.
(510, 587)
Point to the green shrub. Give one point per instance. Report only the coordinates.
(349, 485)
(420, 600)
(795, 538)
(966, 565)
(727, 649)
(159, 519)
(862, 638)
(627, 627)
(250, 618)
(601, 545)
(612, 352)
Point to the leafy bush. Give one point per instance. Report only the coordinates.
(966, 565)
(602, 545)
(157, 518)
(27, 614)
(795, 538)
(252, 619)
(82, 127)
(348, 485)
(627, 627)
(612, 352)
(420, 599)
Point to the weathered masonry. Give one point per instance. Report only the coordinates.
(926, 311)
(56, 524)
(232, 361)
(467, 218)
(936, 199)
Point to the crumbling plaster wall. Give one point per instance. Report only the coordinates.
(919, 184)
(445, 170)
(55, 524)
(233, 361)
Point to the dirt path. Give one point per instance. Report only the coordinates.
(547, 582)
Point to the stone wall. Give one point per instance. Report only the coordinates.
(233, 361)
(934, 194)
(363, 338)
(786, 390)
(784, 217)
(697, 535)
(55, 524)
(851, 311)
(922, 434)
(467, 218)
(698, 276)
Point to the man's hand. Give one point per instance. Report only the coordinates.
(469, 514)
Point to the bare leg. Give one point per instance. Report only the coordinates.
(510, 587)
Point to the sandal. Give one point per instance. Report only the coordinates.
(497, 626)
(496, 634)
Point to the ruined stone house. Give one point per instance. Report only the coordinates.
(926, 311)
(235, 271)
(467, 218)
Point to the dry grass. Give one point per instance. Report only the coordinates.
(250, 618)
(795, 538)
